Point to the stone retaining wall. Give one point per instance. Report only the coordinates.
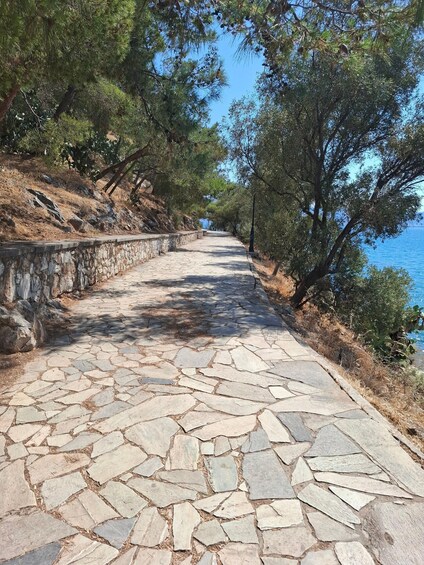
(40, 271)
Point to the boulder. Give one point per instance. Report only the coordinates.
(43, 201)
(20, 328)
(78, 223)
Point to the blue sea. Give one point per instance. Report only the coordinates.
(407, 252)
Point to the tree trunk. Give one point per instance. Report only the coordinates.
(305, 284)
(7, 101)
(66, 102)
(121, 164)
(276, 268)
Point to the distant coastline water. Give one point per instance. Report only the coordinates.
(407, 252)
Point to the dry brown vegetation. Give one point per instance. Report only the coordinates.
(391, 391)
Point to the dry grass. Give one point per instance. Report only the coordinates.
(388, 390)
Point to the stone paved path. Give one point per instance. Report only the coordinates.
(178, 422)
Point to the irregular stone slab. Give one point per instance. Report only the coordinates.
(234, 406)
(396, 532)
(184, 453)
(22, 432)
(55, 465)
(187, 357)
(15, 491)
(268, 518)
(56, 491)
(278, 561)
(84, 550)
(327, 529)
(115, 532)
(288, 453)
(86, 511)
(352, 553)
(265, 476)
(107, 443)
(323, 557)
(80, 442)
(273, 428)
(242, 530)
(149, 467)
(222, 445)
(296, 426)
(234, 506)
(153, 557)
(301, 473)
(280, 392)
(194, 420)
(246, 360)
(127, 558)
(161, 494)
(288, 541)
(115, 463)
(21, 534)
(258, 441)
(323, 404)
(355, 499)
(230, 427)
(151, 529)
(123, 499)
(222, 472)
(210, 533)
(185, 520)
(386, 451)
(330, 441)
(329, 504)
(29, 414)
(226, 373)
(239, 554)
(356, 463)
(188, 479)
(242, 390)
(153, 436)
(104, 397)
(363, 484)
(308, 372)
(210, 503)
(195, 384)
(110, 410)
(208, 558)
(78, 397)
(45, 555)
(21, 399)
(163, 370)
(152, 409)
(69, 413)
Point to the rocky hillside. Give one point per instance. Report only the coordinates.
(40, 204)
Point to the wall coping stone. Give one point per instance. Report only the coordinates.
(15, 248)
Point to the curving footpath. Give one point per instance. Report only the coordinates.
(177, 421)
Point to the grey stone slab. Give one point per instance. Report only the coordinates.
(324, 404)
(83, 550)
(80, 442)
(16, 493)
(110, 410)
(239, 554)
(222, 472)
(308, 372)
(185, 520)
(155, 381)
(233, 406)
(116, 532)
(327, 529)
(184, 478)
(386, 451)
(265, 476)
(149, 467)
(187, 357)
(104, 397)
(123, 499)
(355, 499)
(210, 533)
(55, 465)
(107, 443)
(230, 427)
(289, 453)
(352, 553)
(356, 463)
(56, 491)
(242, 530)
(321, 557)
(246, 391)
(153, 436)
(114, 463)
(86, 511)
(331, 441)
(153, 557)
(160, 493)
(287, 541)
(22, 534)
(29, 414)
(233, 506)
(257, 441)
(45, 555)
(363, 484)
(328, 504)
(396, 532)
(296, 426)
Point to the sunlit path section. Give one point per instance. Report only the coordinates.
(178, 422)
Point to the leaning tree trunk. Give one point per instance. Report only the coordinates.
(7, 101)
(122, 164)
(276, 268)
(307, 283)
(66, 102)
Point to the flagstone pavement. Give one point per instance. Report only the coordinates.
(178, 422)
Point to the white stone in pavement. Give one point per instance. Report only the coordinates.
(185, 520)
(355, 499)
(242, 530)
(149, 467)
(56, 491)
(265, 476)
(55, 465)
(22, 534)
(78, 397)
(210, 533)
(184, 453)
(231, 427)
(154, 408)
(323, 404)
(279, 561)
(154, 437)
(353, 553)
(287, 541)
(257, 441)
(187, 358)
(80, 442)
(16, 493)
(223, 473)
(123, 499)
(188, 479)
(329, 504)
(222, 445)
(21, 399)
(327, 529)
(210, 503)
(107, 443)
(234, 406)
(153, 557)
(288, 453)
(160, 493)
(2, 445)
(239, 554)
(246, 360)
(274, 429)
(280, 392)
(115, 463)
(150, 530)
(194, 420)
(29, 414)
(86, 511)
(234, 506)
(223, 372)
(246, 391)
(301, 473)
(363, 484)
(332, 442)
(83, 550)
(357, 463)
(322, 557)
(6, 420)
(195, 384)
(23, 432)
